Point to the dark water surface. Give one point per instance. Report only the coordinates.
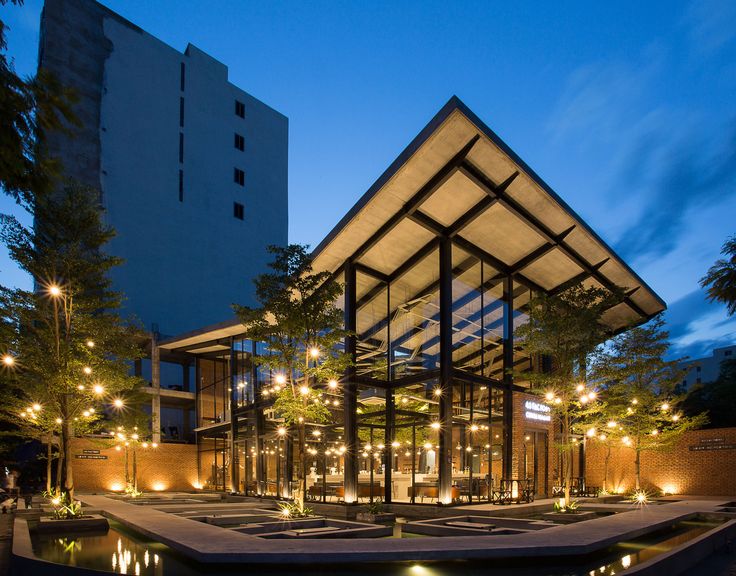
(121, 551)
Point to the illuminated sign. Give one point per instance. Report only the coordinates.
(537, 411)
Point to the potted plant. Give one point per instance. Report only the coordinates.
(67, 515)
(374, 513)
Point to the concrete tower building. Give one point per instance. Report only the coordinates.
(192, 170)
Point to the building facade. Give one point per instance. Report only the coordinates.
(439, 261)
(704, 370)
(192, 170)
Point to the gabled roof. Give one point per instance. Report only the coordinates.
(457, 178)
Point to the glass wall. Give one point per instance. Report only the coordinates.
(414, 318)
(213, 396)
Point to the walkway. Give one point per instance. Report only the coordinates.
(208, 543)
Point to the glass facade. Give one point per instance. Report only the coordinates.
(406, 399)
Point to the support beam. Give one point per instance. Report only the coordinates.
(542, 229)
(508, 378)
(234, 465)
(415, 201)
(445, 401)
(350, 388)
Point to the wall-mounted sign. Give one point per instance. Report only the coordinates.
(537, 411)
(90, 457)
(89, 451)
(712, 444)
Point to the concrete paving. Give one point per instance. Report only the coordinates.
(207, 543)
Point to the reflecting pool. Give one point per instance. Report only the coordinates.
(121, 551)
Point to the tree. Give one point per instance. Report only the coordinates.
(29, 107)
(68, 351)
(639, 385)
(720, 281)
(566, 328)
(302, 329)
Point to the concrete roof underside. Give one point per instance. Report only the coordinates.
(458, 179)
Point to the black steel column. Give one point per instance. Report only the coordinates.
(445, 455)
(234, 466)
(259, 425)
(350, 388)
(389, 450)
(508, 377)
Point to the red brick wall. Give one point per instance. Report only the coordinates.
(677, 469)
(167, 467)
(521, 426)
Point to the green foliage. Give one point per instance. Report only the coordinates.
(640, 389)
(720, 280)
(64, 506)
(570, 508)
(376, 507)
(28, 107)
(294, 510)
(295, 406)
(72, 348)
(566, 328)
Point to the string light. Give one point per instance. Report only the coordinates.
(8, 360)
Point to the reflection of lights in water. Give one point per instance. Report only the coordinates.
(146, 558)
(155, 559)
(137, 569)
(626, 561)
(120, 545)
(114, 562)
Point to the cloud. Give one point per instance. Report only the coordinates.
(696, 326)
(686, 179)
(711, 24)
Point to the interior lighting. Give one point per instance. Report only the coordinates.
(435, 425)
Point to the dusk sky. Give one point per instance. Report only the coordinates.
(627, 110)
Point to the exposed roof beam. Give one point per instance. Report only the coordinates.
(415, 201)
(516, 208)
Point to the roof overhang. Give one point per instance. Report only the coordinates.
(457, 178)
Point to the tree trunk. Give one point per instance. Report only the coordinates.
(567, 457)
(66, 442)
(605, 468)
(49, 457)
(59, 468)
(637, 467)
(301, 492)
(135, 472)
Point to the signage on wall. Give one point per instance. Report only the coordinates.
(88, 451)
(537, 411)
(712, 444)
(90, 457)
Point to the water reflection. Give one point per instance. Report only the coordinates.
(120, 552)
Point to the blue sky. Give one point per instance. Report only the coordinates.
(626, 109)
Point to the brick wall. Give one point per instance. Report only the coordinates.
(677, 469)
(167, 467)
(522, 426)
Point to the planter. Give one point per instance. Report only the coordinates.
(569, 517)
(86, 523)
(383, 518)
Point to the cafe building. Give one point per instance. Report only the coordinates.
(439, 260)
